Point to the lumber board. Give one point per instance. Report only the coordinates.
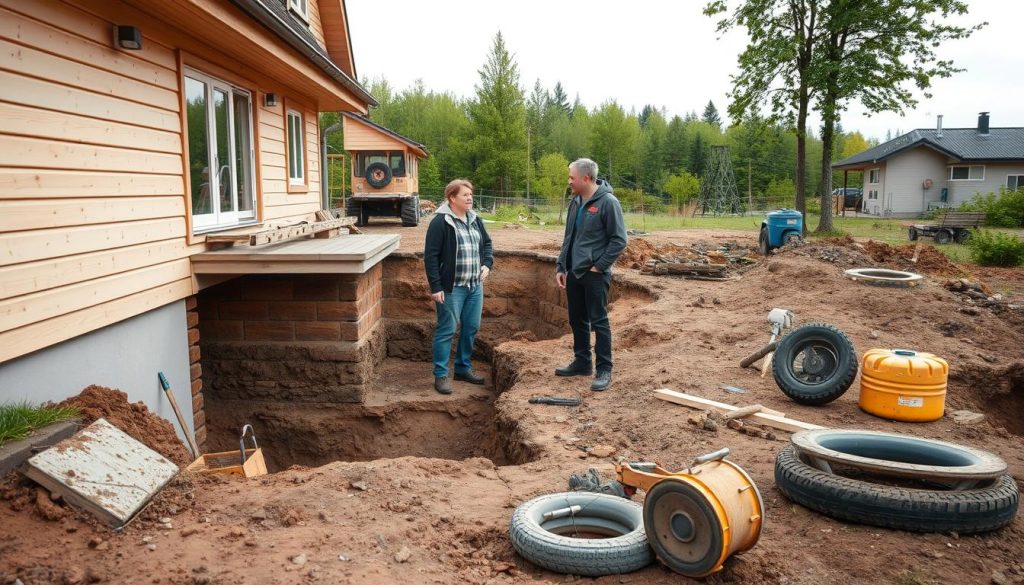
(770, 420)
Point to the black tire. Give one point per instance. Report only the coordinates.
(919, 510)
(962, 236)
(542, 542)
(790, 238)
(762, 242)
(943, 236)
(411, 211)
(828, 364)
(912, 234)
(353, 208)
(378, 175)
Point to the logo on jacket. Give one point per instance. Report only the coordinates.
(592, 209)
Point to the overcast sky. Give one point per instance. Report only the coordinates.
(657, 52)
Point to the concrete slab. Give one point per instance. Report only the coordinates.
(14, 453)
(103, 470)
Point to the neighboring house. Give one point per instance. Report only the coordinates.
(939, 167)
(129, 131)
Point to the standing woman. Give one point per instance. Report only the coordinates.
(458, 258)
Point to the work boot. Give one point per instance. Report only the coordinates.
(470, 377)
(442, 385)
(601, 381)
(576, 368)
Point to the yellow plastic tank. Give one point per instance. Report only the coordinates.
(902, 384)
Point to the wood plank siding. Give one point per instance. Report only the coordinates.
(95, 205)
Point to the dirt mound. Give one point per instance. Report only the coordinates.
(133, 418)
(427, 207)
(637, 252)
(929, 259)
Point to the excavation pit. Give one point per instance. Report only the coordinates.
(370, 396)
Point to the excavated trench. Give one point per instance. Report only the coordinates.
(397, 413)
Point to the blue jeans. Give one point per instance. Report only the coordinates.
(463, 305)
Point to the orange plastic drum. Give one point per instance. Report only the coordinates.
(901, 384)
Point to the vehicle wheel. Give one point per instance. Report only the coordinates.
(962, 236)
(790, 238)
(912, 234)
(762, 242)
(363, 217)
(815, 364)
(981, 509)
(378, 175)
(411, 211)
(606, 537)
(943, 236)
(682, 528)
(352, 208)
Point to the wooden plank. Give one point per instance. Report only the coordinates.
(28, 61)
(22, 279)
(73, 20)
(43, 214)
(31, 308)
(46, 154)
(32, 121)
(41, 244)
(26, 31)
(42, 334)
(778, 422)
(297, 231)
(337, 249)
(58, 97)
(36, 183)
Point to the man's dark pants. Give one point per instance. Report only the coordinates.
(588, 310)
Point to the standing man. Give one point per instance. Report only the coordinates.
(595, 235)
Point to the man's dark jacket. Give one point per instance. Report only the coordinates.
(439, 250)
(600, 237)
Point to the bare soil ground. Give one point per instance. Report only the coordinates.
(427, 520)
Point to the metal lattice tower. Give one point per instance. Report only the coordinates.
(718, 192)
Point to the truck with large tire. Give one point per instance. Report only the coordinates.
(385, 172)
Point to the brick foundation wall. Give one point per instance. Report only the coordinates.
(196, 372)
(310, 338)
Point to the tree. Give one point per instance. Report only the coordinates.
(559, 99)
(711, 115)
(870, 50)
(675, 145)
(776, 66)
(683, 188)
(854, 143)
(552, 170)
(499, 122)
(614, 139)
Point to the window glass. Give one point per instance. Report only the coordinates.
(1014, 181)
(366, 159)
(198, 145)
(397, 164)
(243, 151)
(296, 161)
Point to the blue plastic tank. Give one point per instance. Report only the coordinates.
(781, 225)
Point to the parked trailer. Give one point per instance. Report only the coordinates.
(953, 226)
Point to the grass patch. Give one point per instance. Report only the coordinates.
(19, 419)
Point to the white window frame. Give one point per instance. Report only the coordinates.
(875, 176)
(218, 218)
(301, 8)
(1018, 179)
(970, 168)
(296, 147)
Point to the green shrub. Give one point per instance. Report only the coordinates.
(989, 248)
(512, 213)
(1005, 209)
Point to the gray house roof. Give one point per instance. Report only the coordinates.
(959, 144)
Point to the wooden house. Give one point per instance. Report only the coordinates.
(130, 131)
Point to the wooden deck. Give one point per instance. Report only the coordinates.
(353, 254)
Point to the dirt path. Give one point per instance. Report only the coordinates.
(421, 520)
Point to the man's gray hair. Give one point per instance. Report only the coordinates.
(585, 167)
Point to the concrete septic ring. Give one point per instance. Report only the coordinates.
(884, 276)
(898, 456)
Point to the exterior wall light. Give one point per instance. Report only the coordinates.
(270, 100)
(128, 37)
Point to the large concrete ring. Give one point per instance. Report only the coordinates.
(884, 276)
(897, 455)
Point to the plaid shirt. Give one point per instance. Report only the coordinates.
(467, 255)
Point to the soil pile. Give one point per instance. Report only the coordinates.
(133, 418)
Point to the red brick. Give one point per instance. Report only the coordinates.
(337, 311)
(355, 331)
(195, 371)
(269, 331)
(269, 289)
(292, 311)
(222, 330)
(316, 288)
(201, 438)
(191, 319)
(352, 288)
(193, 336)
(190, 303)
(318, 331)
(194, 354)
(197, 386)
(197, 403)
(246, 310)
